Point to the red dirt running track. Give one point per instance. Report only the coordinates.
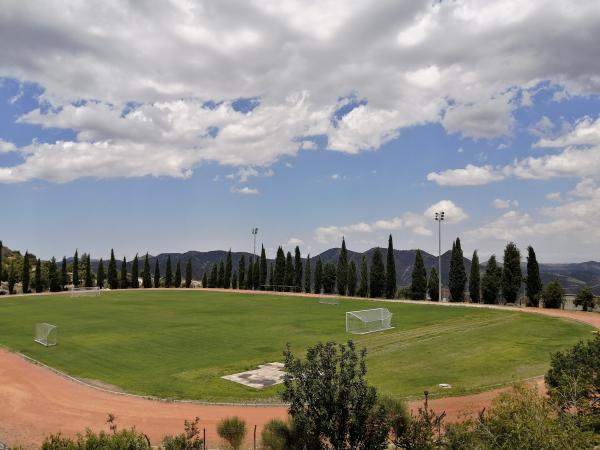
(35, 402)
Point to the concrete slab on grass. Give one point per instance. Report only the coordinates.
(266, 375)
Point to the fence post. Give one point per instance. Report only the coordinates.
(254, 437)
(204, 437)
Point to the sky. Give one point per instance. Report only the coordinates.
(180, 125)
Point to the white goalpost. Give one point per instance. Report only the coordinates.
(85, 291)
(328, 301)
(46, 334)
(368, 321)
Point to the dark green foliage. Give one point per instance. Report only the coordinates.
(25, 274)
(213, 281)
(377, 277)
(205, 279)
(250, 275)
(256, 274)
(242, 272)
(135, 273)
(352, 280)
(318, 276)
(100, 275)
(329, 273)
(553, 295)
(1, 264)
(228, 270)
(64, 276)
(271, 276)
(53, 278)
(511, 273)
(12, 277)
(418, 285)
(475, 280)
(330, 402)
(146, 277)
(169, 273)
(457, 275)
(188, 440)
(490, 283)
(115, 440)
(113, 281)
(533, 282)
(123, 281)
(433, 287)
(188, 273)
(39, 287)
(156, 273)
(221, 275)
(234, 280)
(307, 275)
(342, 270)
(278, 435)
(75, 277)
(398, 418)
(421, 431)
(297, 270)
(263, 268)
(390, 273)
(289, 271)
(233, 431)
(177, 280)
(280, 267)
(585, 299)
(363, 287)
(87, 279)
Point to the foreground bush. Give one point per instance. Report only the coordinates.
(188, 440)
(118, 440)
(278, 435)
(232, 430)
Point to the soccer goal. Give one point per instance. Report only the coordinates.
(328, 301)
(46, 334)
(368, 321)
(85, 291)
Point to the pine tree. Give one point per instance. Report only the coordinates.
(123, 280)
(377, 278)
(25, 274)
(234, 280)
(256, 274)
(188, 273)
(156, 273)
(205, 279)
(228, 270)
(38, 276)
(271, 276)
(511, 273)
(297, 270)
(213, 281)
(76, 269)
(329, 275)
(289, 271)
(12, 278)
(418, 286)
(342, 270)
(534, 281)
(221, 275)
(53, 280)
(307, 275)
(64, 276)
(113, 281)
(475, 280)
(100, 275)
(135, 273)
(390, 274)
(433, 285)
(146, 277)
(250, 275)
(242, 272)
(263, 268)
(352, 280)
(318, 275)
(457, 277)
(178, 274)
(88, 280)
(168, 273)
(279, 268)
(490, 282)
(363, 287)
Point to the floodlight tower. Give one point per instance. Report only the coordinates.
(254, 233)
(439, 217)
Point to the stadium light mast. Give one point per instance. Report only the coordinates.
(254, 233)
(439, 217)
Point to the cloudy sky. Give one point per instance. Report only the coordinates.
(178, 125)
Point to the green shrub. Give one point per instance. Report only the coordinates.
(119, 440)
(553, 295)
(188, 440)
(278, 435)
(232, 430)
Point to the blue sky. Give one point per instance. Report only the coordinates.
(310, 121)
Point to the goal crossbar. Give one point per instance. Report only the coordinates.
(81, 291)
(368, 321)
(46, 334)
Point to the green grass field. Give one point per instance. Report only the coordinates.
(178, 344)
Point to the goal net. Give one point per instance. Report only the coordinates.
(328, 301)
(85, 291)
(368, 321)
(46, 334)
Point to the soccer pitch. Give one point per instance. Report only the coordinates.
(178, 344)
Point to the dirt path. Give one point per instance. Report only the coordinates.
(35, 402)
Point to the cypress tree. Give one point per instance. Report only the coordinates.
(38, 276)
(228, 270)
(352, 280)
(146, 277)
(123, 281)
(88, 280)
(297, 270)
(25, 274)
(342, 270)
(390, 274)
(12, 278)
(418, 286)
(135, 282)
(511, 273)
(214, 276)
(76, 269)
(377, 278)
(363, 287)
(242, 272)
(64, 276)
(271, 276)
(100, 276)
(433, 285)
(475, 280)
(457, 277)
(307, 275)
(318, 275)
(188, 273)
(221, 275)
(490, 282)
(250, 275)
(234, 280)
(329, 275)
(178, 274)
(53, 276)
(289, 271)
(279, 268)
(113, 282)
(256, 274)
(168, 273)
(534, 281)
(263, 268)
(156, 273)
(204, 279)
